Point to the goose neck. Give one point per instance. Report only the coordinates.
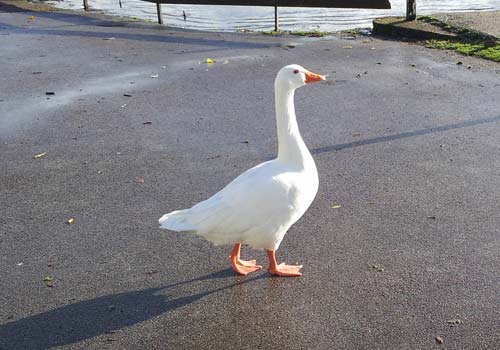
(291, 147)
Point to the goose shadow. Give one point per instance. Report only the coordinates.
(102, 315)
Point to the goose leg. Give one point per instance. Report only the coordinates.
(243, 267)
(282, 269)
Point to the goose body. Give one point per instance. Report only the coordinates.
(255, 209)
(259, 206)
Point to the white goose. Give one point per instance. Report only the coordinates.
(259, 206)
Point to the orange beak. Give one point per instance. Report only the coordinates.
(313, 77)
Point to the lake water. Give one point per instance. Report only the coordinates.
(232, 18)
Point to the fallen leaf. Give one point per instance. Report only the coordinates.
(210, 61)
(377, 267)
(347, 47)
(336, 206)
(40, 155)
(70, 221)
(48, 279)
(454, 322)
(139, 180)
(439, 339)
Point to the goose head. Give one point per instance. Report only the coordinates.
(294, 76)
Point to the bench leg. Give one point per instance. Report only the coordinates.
(411, 10)
(276, 24)
(158, 11)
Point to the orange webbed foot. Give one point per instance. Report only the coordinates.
(248, 263)
(243, 267)
(282, 269)
(286, 270)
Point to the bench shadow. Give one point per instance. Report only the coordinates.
(103, 315)
(172, 35)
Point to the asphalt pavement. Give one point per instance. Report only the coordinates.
(482, 21)
(112, 124)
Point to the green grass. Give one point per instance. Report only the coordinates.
(469, 42)
(487, 50)
(313, 33)
(273, 32)
(350, 31)
(310, 33)
(463, 32)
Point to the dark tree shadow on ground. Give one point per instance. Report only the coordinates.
(89, 318)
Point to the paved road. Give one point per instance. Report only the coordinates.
(405, 140)
(483, 21)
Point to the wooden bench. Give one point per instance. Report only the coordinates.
(361, 4)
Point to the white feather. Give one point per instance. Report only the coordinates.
(259, 206)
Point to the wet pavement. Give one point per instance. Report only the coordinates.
(405, 139)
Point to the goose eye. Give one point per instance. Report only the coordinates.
(296, 71)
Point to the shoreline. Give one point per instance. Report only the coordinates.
(432, 32)
(42, 6)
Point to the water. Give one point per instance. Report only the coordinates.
(232, 18)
